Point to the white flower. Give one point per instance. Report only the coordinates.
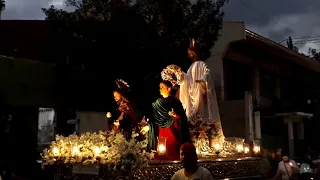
(115, 150)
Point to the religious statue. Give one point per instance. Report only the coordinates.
(197, 92)
(168, 120)
(127, 120)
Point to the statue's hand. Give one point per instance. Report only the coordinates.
(144, 130)
(116, 123)
(172, 113)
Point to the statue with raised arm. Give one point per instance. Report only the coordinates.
(197, 92)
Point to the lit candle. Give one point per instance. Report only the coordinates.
(246, 150)
(55, 151)
(217, 147)
(75, 150)
(161, 149)
(239, 148)
(97, 151)
(256, 149)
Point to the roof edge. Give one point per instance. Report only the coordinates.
(277, 45)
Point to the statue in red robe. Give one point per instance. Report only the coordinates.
(168, 120)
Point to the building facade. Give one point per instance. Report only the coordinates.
(281, 81)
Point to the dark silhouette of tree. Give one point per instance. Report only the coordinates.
(141, 30)
(291, 46)
(131, 40)
(313, 53)
(2, 7)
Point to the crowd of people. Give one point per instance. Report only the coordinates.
(277, 165)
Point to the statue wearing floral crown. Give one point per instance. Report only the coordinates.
(197, 92)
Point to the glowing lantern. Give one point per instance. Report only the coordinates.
(256, 146)
(162, 145)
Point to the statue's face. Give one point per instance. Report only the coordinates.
(117, 96)
(164, 90)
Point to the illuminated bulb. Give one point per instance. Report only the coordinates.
(55, 151)
(246, 150)
(162, 148)
(75, 150)
(97, 151)
(290, 163)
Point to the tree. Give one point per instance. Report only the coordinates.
(132, 40)
(313, 53)
(2, 7)
(291, 46)
(147, 29)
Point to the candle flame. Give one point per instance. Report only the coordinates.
(97, 151)
(217, 146)
(75, 150)
(162, 148)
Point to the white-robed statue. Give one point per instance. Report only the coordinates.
(197, 92)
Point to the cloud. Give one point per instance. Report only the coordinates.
(277, 20)
(28, 9)
(300, 26)
(274, 19)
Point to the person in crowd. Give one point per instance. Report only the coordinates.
(287, 169)
(264, 164)
(316, 163)
(191, 169)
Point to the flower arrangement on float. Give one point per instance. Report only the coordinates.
(204, 135)
(103, 148)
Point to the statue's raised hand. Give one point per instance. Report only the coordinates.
(172, 113)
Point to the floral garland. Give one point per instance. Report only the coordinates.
(170, 73)
(103, 148)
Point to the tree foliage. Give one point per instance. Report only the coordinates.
(2, 6)
(144, 32)
(313, 53)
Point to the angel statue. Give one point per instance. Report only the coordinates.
(197, 92)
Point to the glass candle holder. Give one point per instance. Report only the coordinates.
(239, 145)
(246, 149)
(256, 147)
(162, 145)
